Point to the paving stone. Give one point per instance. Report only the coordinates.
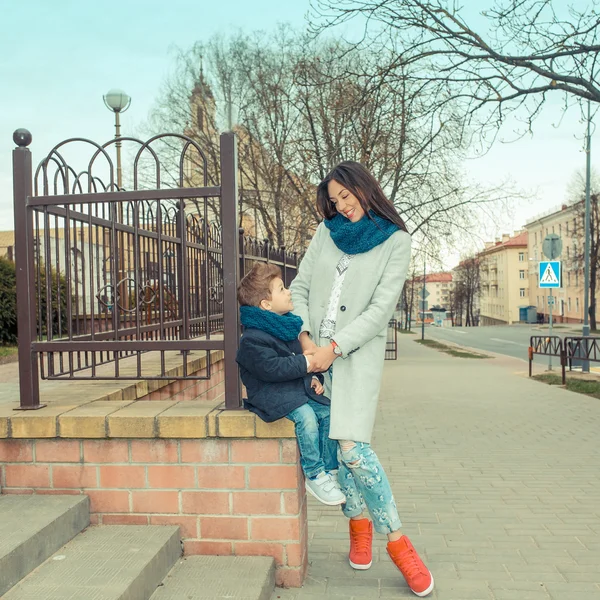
(498, 477)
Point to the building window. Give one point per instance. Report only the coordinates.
(546, 231)
(567, 226)
(568, 277)
(552, 228)
(521, 256)
(535, 239)
(569, 304)
(577, 303)
(522, 292)
(567, 251)
(576, 278)
(559, 229)
(521, 274)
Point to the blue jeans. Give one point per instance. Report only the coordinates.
(317, 452)
(365, 485)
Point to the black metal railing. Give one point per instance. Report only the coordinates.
(570, 350)
(107, 278)
(547, 346)
(391, 344)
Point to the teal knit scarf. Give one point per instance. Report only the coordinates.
(362, 236)
(284, 327)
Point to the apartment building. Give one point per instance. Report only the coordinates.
(567, 223)
(438, 287)
(504, 279)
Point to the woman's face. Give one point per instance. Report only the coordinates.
(345, 202)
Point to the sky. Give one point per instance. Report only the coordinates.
(58, 58)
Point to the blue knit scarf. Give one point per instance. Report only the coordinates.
(284, 327)
(362, 236)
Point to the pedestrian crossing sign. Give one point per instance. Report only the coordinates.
(550, 274)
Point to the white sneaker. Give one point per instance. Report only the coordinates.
(334, 477)
(325, 489)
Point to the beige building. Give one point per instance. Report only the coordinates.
(567, 223)
(504, 279)
(438, 287)
(7, 244)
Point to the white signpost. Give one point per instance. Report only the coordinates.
(550, 277)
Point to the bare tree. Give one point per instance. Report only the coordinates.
(410, 294)
(576, 195)
(524, 50)
(301, 106)
(351, 111)
(467, 290)
(243, 80)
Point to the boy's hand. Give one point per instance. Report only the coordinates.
(308, 346)
(317, 386)
(321, 359)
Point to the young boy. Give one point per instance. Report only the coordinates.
(278, 377)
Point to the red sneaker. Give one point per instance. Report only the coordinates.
(405, 557)
(361, 540)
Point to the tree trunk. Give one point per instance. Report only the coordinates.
(592, 308)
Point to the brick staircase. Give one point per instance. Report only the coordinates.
(48, 550)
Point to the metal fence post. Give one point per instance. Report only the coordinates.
(24, 264)
(231, 257)
(242, 254)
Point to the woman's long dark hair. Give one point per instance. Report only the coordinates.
(357, 179)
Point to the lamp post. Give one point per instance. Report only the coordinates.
(117, 101)
(586, 286)
(423, 292)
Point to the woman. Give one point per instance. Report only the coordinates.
(346, 290)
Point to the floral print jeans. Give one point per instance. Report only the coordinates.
(365, 485)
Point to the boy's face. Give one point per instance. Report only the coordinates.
(281, 299)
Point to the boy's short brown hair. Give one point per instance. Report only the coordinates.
(256, 285)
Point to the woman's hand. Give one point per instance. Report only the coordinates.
(317, 386)
(321, 359)
(308, 346)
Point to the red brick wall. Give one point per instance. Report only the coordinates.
(243, 497)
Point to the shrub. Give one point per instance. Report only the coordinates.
(8, 302)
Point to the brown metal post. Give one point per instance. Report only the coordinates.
(231, 257)
(24, 262)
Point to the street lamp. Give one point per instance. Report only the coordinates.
(586, 273)
(117, 101)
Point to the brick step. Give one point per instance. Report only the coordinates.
(32, 528)
(219, 577)
(112, 562)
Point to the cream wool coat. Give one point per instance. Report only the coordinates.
(369, 296)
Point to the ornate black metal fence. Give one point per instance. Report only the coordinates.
(107, 277)
(391, 346)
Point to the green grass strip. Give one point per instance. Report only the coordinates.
(587, 387)
(452, 351)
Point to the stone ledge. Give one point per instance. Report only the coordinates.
(101, 419)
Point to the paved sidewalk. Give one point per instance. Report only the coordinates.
(497, 479)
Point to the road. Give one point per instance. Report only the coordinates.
(511, 340)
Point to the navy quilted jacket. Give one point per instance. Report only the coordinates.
(274, 373)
